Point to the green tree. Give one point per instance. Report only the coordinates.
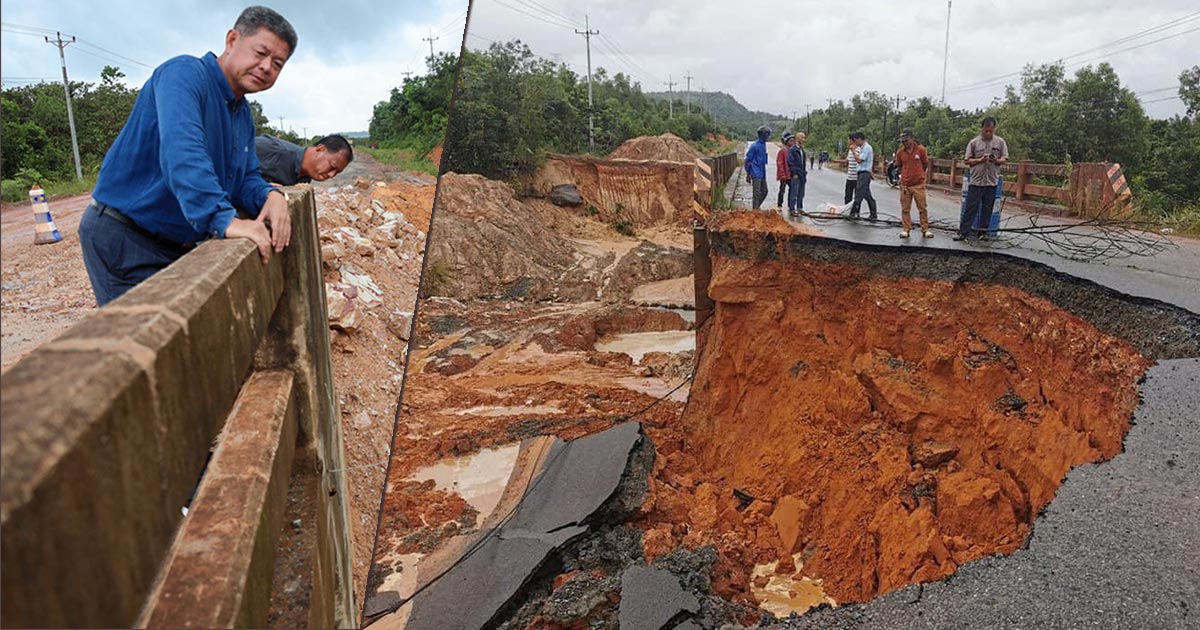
(1189, 89)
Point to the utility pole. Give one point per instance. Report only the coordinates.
(61, 44)
(808, 119)
(430, 39)
(587, 33)
(946, 51)
(703, 99)
(670, 97)
(281, 124)
(689, 78)
(406, 75)
(305, 133)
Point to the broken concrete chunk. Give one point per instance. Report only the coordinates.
(652, 599)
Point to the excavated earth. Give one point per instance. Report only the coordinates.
(867, 429)
(861, 418)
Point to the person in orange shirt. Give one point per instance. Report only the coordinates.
(913, 160)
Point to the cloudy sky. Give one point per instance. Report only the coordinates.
(778, 56)
(350, 52)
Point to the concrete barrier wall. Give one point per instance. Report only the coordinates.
(108, 428)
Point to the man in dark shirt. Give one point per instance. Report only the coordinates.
(184, 163)
(287, 164)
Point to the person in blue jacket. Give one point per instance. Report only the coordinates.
(756, 167)
(184, 164)
(796, 160)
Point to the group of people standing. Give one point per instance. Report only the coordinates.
(792, 163)
(985, 154)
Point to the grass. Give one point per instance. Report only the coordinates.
(17, 190)
(402, 158)
(1183, 220)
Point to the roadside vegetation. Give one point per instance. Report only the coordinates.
(514, 107)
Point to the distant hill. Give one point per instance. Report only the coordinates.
(729, 113)
(355, 134)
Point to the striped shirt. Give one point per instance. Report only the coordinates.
(851, 166)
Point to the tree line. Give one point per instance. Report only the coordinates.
(513, 107)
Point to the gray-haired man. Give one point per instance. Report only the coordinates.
(184, 163)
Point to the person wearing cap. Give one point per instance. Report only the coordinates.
(796, 163)
(755, 166)
(913, 160)
(184, 164)
(782, 175)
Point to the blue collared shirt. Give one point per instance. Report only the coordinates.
(868, 158)
(185, 158)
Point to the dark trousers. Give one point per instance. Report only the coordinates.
(117, 256)
(759, 188)
(783, 192)
(851, 184)
(974, 216)
(796, 194)
(862, 190)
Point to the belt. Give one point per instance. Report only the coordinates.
(112, 213)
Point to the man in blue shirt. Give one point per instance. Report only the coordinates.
(184, 163)
(864, 156)
(756, 167)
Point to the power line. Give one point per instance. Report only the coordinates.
(455, 21)
(533, 15)
(118, 55)
(538, 7)
(631, 61)
(1004, 78)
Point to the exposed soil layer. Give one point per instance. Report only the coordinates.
(488, 243)
(624, 193)
(886, 428)
(486, 374)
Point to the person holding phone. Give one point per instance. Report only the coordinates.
(985, 154)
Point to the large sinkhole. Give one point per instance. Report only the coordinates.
(863, 419)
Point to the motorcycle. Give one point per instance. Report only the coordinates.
(892, 173)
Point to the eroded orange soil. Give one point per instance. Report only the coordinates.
(889, 430)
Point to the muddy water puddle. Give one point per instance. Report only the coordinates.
(636, 345)
(493, 411)
(782, 595)
(479, 479)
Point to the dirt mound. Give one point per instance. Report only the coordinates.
(487, 243)
(870, 431)
(667, 147)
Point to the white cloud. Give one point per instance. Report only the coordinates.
(350, 54)
(777, 56)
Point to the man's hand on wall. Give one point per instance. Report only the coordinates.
(275, 214)
(254, 230)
